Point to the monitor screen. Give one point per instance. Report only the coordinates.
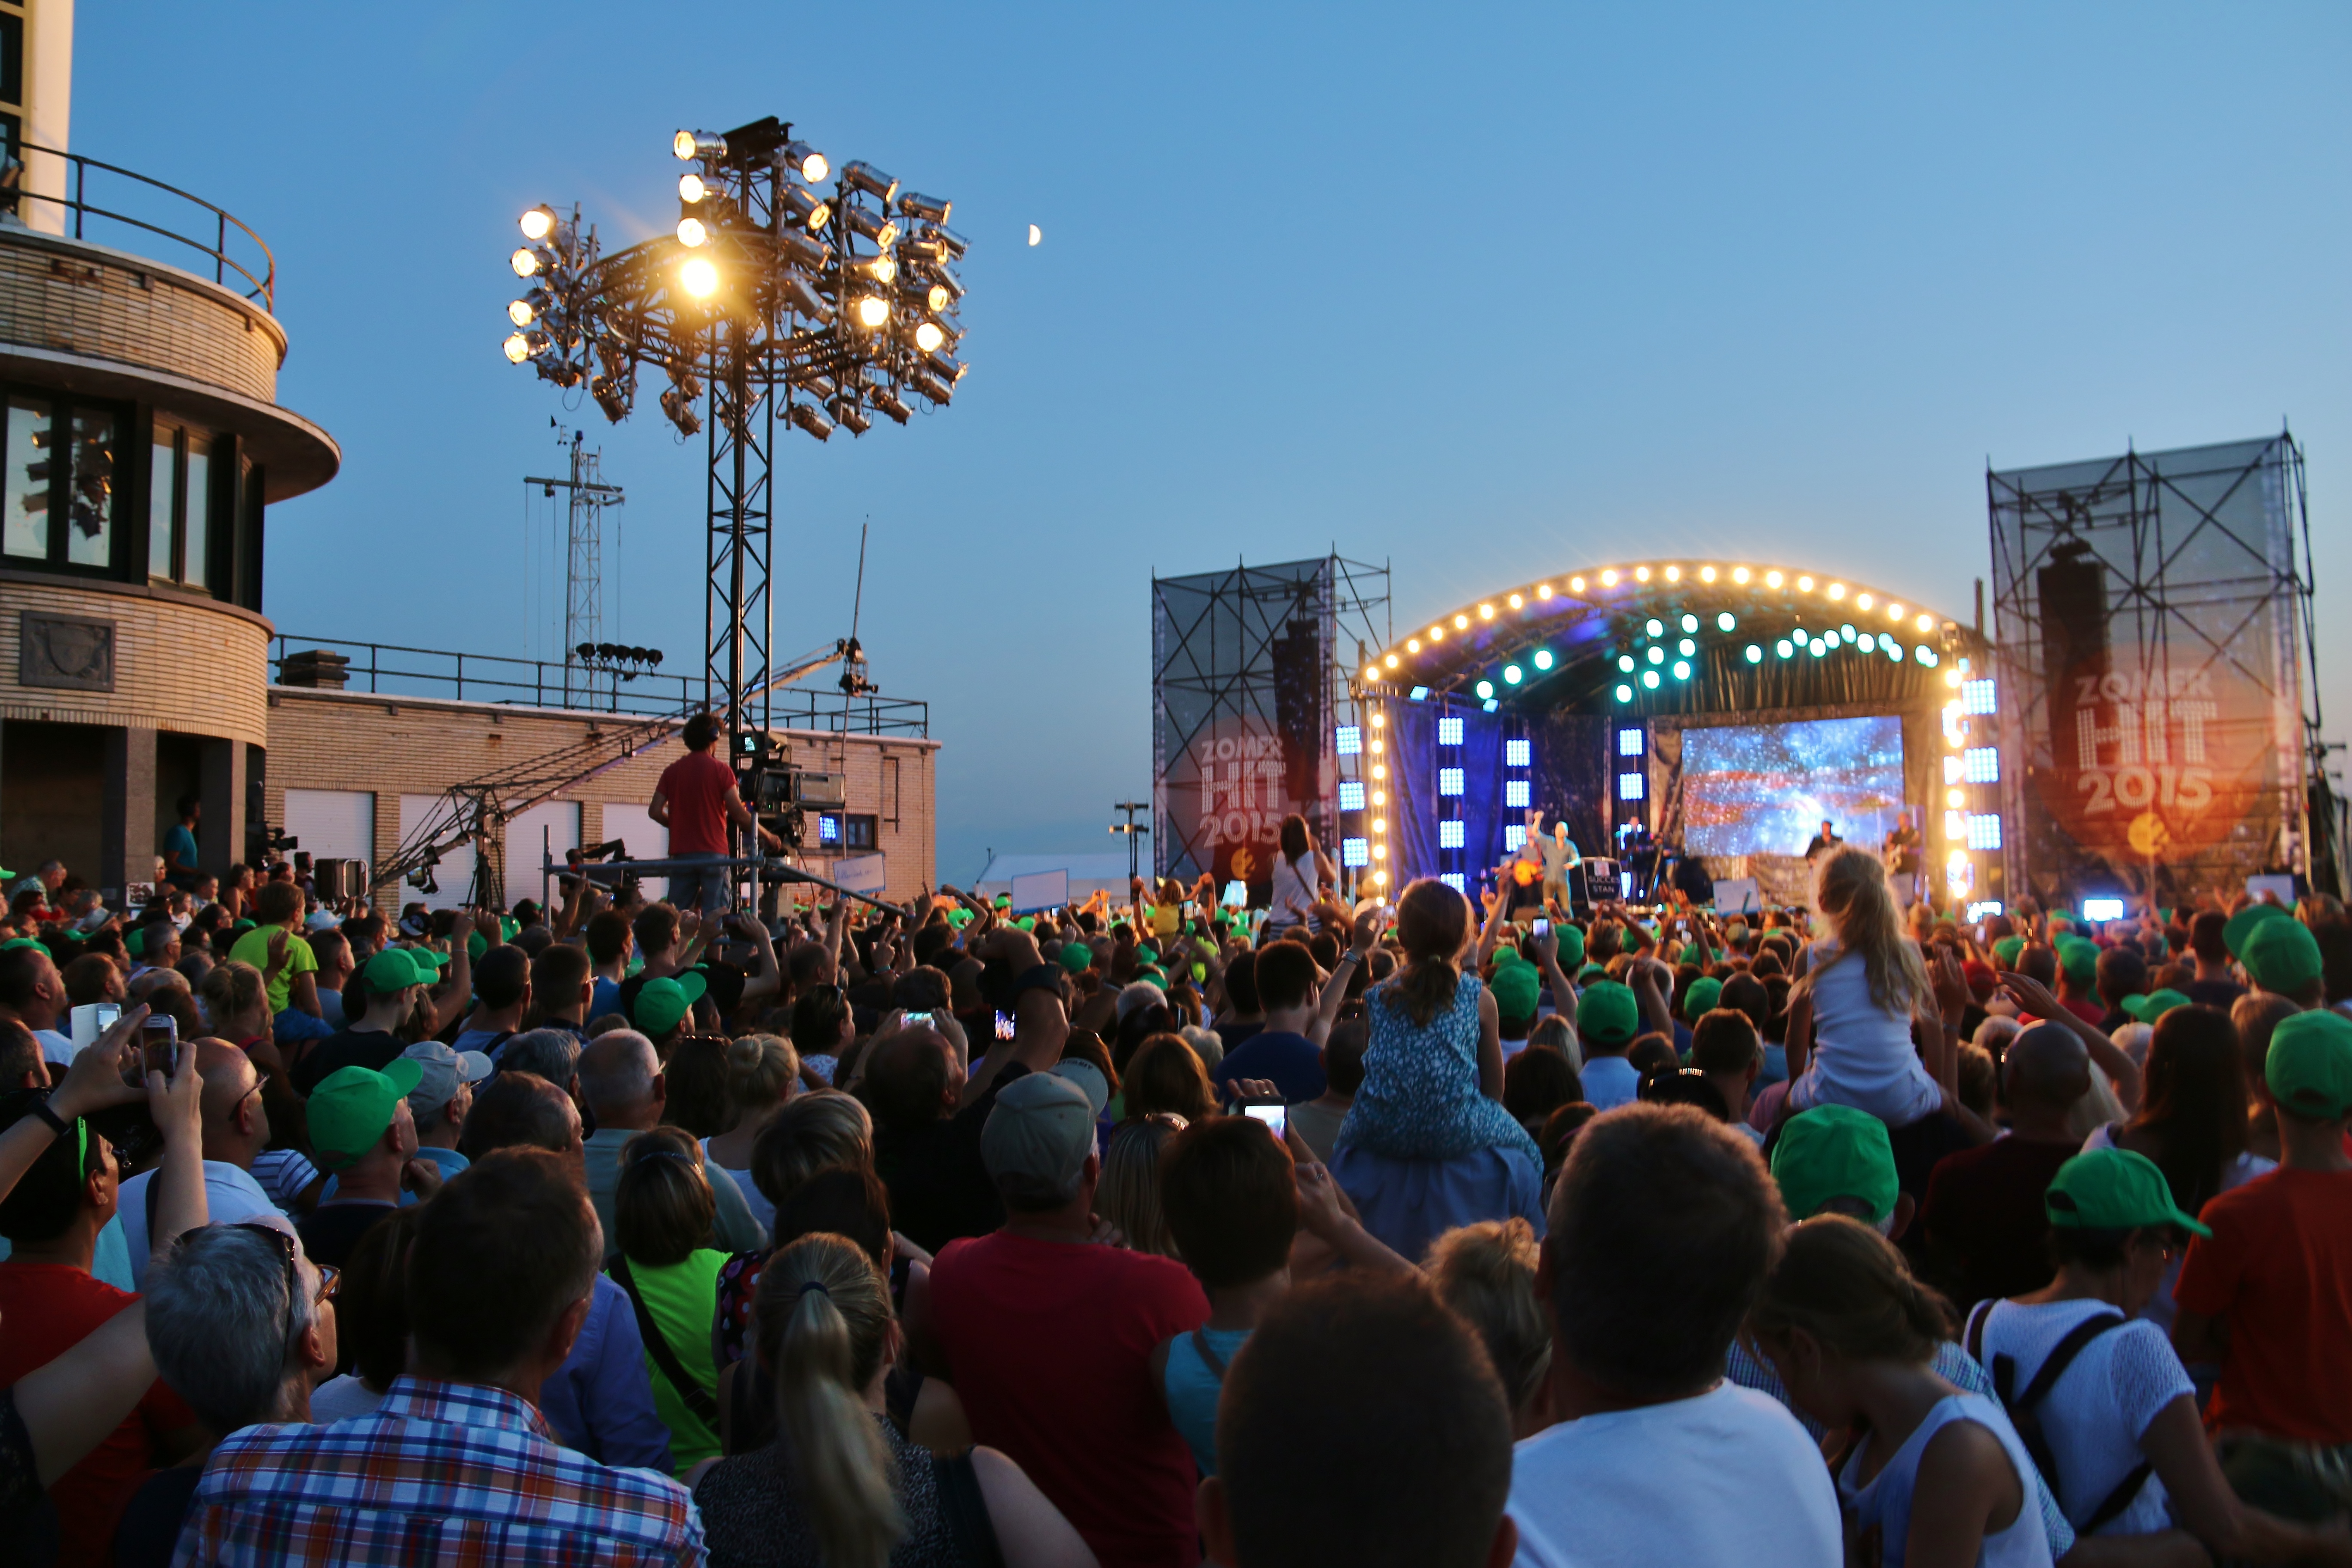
(1764, 789)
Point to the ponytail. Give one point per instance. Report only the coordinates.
(230, 990)
(824, 1319)
(1433, 926)
(1844, 1284)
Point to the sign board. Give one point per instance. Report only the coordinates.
(1040, 890)
(861, 873)
(1737, 895)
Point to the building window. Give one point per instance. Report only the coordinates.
(59, 504)
(180, 507)
(857, 832)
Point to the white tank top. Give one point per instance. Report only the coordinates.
(1862, 1055)
(1885, 1503)
(1294, 890)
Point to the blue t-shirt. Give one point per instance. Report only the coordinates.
(180, 847)
(1290, 1062)
(605, 998)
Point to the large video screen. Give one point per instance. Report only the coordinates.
(1763, 789)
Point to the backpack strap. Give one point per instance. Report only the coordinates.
(2115, 1502)
(1977, 1316)
(2024, 1412)
(691, 1393)
(964, 1510)
(1209, 1357)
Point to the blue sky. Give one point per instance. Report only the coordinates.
(1485, 292)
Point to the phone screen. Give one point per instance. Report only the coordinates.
(918, 1020)
(158, 1037)
(1004, 1025)
(109, 1013)
(1543, 927)
(1276, 1117)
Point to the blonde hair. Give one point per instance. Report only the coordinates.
(231, 989)
(1844, 1284)
(811, 1132)
(662, 1206)
(1129, 1192)
(1486, 1272)
(1850, 891)
(823, 1312)
(760, 1072)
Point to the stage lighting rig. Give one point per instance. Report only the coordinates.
(772, 298)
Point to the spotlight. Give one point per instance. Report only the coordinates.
(1686, 648)
(690, 188)
(1784, 648)
(1682, 670)
(928, 336)
(931, 209)
(873, 311)
(1724, 622)
(859, 175)
(931, 386)
(1391, 662)
(690, 232)
(1486, 691)
(1650, 678)
(805, 160)
(802, 250)
(539, 222)
(699, 278)
(1774, 579)
(1739, 573)
(610, 398)
(804, 209)
(1625, 693)
(821, 387)
(945, 369)
(810, 419)
(1690, 622)
(680, 411)
(1804, 584)
(1543, 659)
(1625, 662)
(528, 262)
(1657, 655)
(798, 295)
(855, 417)
(1755, 653)
(586, 652)
(882, 269)
(522, 312)
(890, 403)
(936, 298)
(697, 144)
(880, 230)
(954, 244)
(517, 348)
(1512, 675)
(1654, 626)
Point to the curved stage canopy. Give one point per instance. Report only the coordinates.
(1668, 636)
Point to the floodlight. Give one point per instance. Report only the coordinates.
(954, 243)
(699, 278)
(1543, 659)
(610, 398)
(1650, 678)
(936, 297)
(931, 209)
(881, 268)
(690, 188)
(1682, 670)
(859, 175)
(803, 208)
(1690, 622)
(697, 144)
(528, 261)
(522, 312)
(539, 222)
(805, 160)
(1656, 654)
(1624, 694)
(802, 250)
(1512, 675)
(517, 348)
(810, 419)
(928, 336)
(890, 403)
(1625, 662)
(931, 386)
(1725, 621)
(1755, 653)
(945, 369)
(873, 311)
(690, 232)
(941, 277)
(680, 411)
(855, 417)
(1686, 648)
(1486, 691)
(880, 230)
(1654, 626)
(797, 295)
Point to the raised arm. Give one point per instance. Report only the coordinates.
(1366, 937)
(2034, 997)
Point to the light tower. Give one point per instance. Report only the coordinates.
(583, 563)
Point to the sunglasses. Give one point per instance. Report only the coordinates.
(330, 1278)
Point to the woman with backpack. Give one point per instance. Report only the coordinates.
(2096, 1392)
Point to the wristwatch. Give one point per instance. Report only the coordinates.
(59, 1125)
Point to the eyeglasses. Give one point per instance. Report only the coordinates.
(330, 1278)
(1168, 1119)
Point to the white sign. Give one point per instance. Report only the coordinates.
(1040, 890)
(861, 873)
(1738, 896)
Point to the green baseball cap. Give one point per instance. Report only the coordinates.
(352, 1107)
(29, 941)
(2280, 955)
(1836, 1151)
(476, 944)
(1027, 923)
(2242, 925)
(1147, 953)
(1607, 1015)
(398, 968)
(2309, 1070)
(1508, 953)
(1077, 957)
(660, 1003)
(2007, 949)
(1515, 986)
(2148, 1009)
(1591, 973)
(1703, 993)
(2113, 1189)
(2079, 957)
(1571, 944)
(135, 943)
(958, 918)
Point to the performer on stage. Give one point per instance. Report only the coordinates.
(1823, 841)
(1559, 852)
(1903, 860)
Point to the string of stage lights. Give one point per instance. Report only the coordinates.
(771, 294)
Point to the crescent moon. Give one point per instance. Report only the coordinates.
(1036, 234)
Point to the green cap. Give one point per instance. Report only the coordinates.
(1836, 1151)
(398, 968)
(476, 944)
(508, 928)
(1571, 945)
(1515, 986)
(352, 1107)
(135, 943)
(2148, 1009)
(1607, 1015)
(1147, 953)
(1027, 923)
(2242, 925)
(1508, 953)
(1077, 957)
(2309, 1070)
(2079, 957)
(958, 918)
(29, 941)
(662, 1003)
(2113, 1189)
(2007, 949)
(1703, 993)
(2280, 955)
(1591, 973)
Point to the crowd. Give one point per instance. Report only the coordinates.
(1151, 1233)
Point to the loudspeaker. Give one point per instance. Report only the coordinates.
(338, 878)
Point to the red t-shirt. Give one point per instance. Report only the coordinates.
(696, 787)
(45, 1310)
(1049, 1346)
(2277, 1270)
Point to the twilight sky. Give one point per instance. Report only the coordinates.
(1484, 292)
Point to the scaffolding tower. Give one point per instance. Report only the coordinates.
(587, 496)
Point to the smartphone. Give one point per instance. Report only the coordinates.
(1542, 927)
(916, 1020)
(1276, 1117)
(1004, 1025)
(159, 1039)
(108, 1014)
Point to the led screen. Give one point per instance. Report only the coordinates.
(1763, 789)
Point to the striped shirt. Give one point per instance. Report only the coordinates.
(439, 1472)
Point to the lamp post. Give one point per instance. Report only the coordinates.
(1135, 834)
(771, 295)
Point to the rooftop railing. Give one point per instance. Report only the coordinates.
(167, 212)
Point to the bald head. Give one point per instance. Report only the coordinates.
(236, 1127)
(2046, 1068)
(618, 1074)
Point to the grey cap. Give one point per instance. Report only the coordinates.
(445, 1069)
(1087, 1077)
(1042, 1126)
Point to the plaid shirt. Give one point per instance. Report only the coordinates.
(440, 1472)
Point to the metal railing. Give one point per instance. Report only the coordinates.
(263, 287)
(393, 670)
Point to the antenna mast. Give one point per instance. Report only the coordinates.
(583, 570)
